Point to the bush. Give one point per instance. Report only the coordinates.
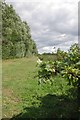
(68, 67)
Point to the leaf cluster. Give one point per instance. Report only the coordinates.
(68, 67)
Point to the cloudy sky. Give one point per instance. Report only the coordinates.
(53, 23)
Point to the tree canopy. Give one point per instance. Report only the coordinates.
(16, 35)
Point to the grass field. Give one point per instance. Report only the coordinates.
(23, 97)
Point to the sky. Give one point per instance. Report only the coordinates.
(53, 23)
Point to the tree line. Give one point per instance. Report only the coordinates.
(16, 35)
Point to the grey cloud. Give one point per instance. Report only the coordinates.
(48, 21)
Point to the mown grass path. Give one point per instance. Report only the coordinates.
(18, 82)
(23, 97)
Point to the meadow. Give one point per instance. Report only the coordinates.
(23, 97)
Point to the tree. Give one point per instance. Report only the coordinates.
(16, 34)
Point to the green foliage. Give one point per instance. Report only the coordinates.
(68, 66)
(46, 71)
(16, 41)
(73, 55)
(61, 54)
(72, 74)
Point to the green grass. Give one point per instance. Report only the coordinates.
(23, 97)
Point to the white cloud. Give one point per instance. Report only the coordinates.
(47, 1)
(52, 23)
(62, 35)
